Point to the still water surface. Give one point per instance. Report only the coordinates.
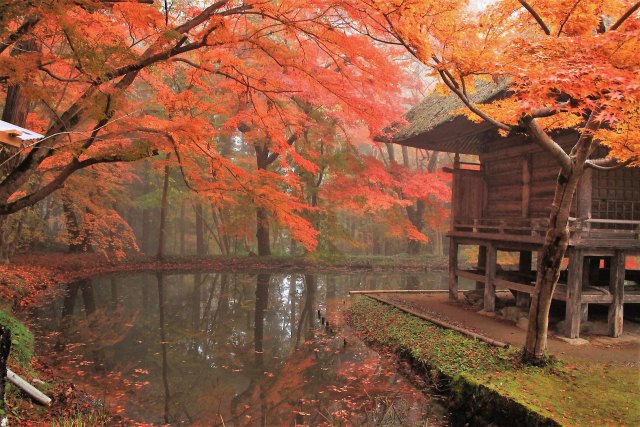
(232, 349)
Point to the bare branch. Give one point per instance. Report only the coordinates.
(273, 156)
(606, 164)
(455, 89)
(536, 16)
(541, 138)
(57, 182)
(61, 79)
(566, 18)
(128, 1)
(23, 29)
(624, 17)
(547, 112)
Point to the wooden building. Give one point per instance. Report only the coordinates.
(501, 202)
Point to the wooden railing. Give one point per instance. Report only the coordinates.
(518, 226)
(592, 228)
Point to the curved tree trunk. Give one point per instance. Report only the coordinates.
(549, 263)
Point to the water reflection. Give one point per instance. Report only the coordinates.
(231, 349)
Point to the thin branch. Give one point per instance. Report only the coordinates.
(128, 1)
(536, 16)
(541, 138)
(61, 79)
(606, 164)
(245, 83)
(566, 18)
(624, 17)
(455, 89)
(273, 156)
(108, 114)
(23, 29)
(57, 182)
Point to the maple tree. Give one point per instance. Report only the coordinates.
(387, 193)
(115, 82)
(571, 65)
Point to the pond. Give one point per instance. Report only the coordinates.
(232, 349)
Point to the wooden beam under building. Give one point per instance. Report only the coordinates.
(573, 311)
(453, 267)
(616, 287)
(489, 279)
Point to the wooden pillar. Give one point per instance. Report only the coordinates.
(524, 266)
(616, 286)
(453, 266)
(584, 312)
(586, 281)
(454, 193)
(573, 309)
(489, 277)
(482, 262)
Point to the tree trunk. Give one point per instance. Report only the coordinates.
(438, 244)
(262, 232)
(163, 212)
(415, 212)
(263, 159)
(549, 263)
(414, 247)
(17, 105)
(147, 219)
(73, 226)
(200, 244)
(391, 153)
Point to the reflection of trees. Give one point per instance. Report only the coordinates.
(331, 287)
(306, 322)
(114, 293)
(262, 302)
(231, 335)
(163, 345)
(275, 392)
(256, 388)
(95, 328)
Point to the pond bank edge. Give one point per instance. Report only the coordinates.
(468, 400)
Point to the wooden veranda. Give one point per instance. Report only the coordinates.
(501, 202)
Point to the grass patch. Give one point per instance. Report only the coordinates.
(84, 420)
(567, 392)
(392, 262)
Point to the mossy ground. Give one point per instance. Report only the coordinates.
(21, 341)
(569, 392)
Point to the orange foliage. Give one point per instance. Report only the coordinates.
(127, 81)
(563, 59)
